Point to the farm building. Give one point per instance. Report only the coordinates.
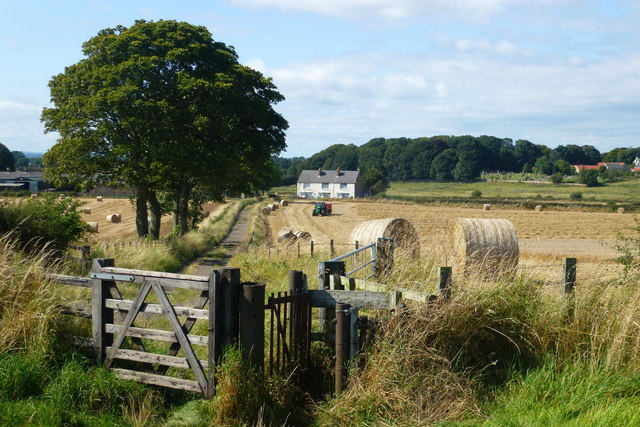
(19, 180)
(339, 184)
(612, 167)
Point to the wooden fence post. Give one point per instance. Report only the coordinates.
(252, 323)
(569, 276)
(100, 315)
(331, 249)
(215, 328)
(444, 282)
(326, 269)
(86, 255)
(298, 320)
(311, 246)
(343, 345)
(230, 279)
(298, 249)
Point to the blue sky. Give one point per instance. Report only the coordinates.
(551, 71)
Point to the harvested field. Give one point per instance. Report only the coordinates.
(127, 227)
(543, 236)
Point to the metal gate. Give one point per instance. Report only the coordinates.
(290, 332)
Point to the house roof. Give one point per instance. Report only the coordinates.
(5, 175)
(581, 167)
(612, 166)
(331, 176)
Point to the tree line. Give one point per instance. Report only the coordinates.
(449, 158)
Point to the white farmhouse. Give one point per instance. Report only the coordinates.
(337, 184)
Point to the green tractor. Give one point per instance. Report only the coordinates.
(322, 209)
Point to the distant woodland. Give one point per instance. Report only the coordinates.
(449, 158)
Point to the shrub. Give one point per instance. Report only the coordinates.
(557, 178)
(588, 177)
(476, 193)
(575, 195)
(45, 220)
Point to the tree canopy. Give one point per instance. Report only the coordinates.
(163, 108)
(7, 160)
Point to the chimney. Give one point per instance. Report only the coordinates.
(338, 171)
(319, 171)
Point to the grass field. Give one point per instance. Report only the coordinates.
(621, 192)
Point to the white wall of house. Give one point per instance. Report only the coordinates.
(316, 190)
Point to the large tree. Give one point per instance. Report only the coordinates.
(7, 161)
(162, 107)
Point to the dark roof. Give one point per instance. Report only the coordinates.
(311, 176)
(4, 175)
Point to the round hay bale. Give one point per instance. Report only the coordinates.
(276, 204)
(113, 218)
(286, 236)
(302, 235)
(86, 210)
(487, 246)
(539, 208)
(98, 198)
(486, 207)
(406, 239)
(620, 210)
(1, 201)
(93, 227)
(266, 210)
(284, 203)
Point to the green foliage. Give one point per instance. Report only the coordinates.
(576, 195)
(443, 165)
(588, 177)
(628, 245)
(158, 107)
(7, 161)
(375, 180)
(46, 220)
(557, 178)
(476, 193)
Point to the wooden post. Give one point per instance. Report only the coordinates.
(230, 278)
(331, 249)
(357, 246)
(86, 255)
(384, 256)
(252, 323)
(100, 315)
(444, 282)
(297, 323)
(298, 249)
(311, 246)
(353, 334)
(569, 276)
(325, 270)
(215, 328)
(343, 345)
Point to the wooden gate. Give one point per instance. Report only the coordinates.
(114, 317)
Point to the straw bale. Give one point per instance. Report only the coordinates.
(406, 239)
(34, 195)
(93, 226)
(98, 198)
(86, 210)
(302, 235)
(276, 204)
(486, 246)
(539, 208)
(620, 210)
(286, 236)
(284, 203)
(486, 207)
(114, 218)
(266, 210)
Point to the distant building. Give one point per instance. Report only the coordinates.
(21, 181)
(337, 184)
(613, 167)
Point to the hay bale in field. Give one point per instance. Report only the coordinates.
(302, 235)
(486, 246)
(406, 240)
(284, 203)
(276, 204)
(286, 236)
(86, 210)
(93, 227)
(98, 198)
(486, 207)
(620, 210)
(539, 208)
(266, 210)
(114, 218)
(34, 195)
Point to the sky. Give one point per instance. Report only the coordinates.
(550, 71)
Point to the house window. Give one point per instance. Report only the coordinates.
(324, 194)
(343, 195)
(325, 185)
(343, 186)
(306, 185)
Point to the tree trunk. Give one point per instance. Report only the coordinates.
(185, 195)
(156, 215)
(142, 222)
